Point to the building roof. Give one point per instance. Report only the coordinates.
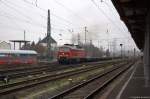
(133, 13)
(45, 39)
(19, 41)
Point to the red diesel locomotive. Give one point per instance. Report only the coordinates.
(69, 53)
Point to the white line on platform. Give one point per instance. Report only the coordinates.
(125, 85)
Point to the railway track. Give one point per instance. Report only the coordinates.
(14, 87)
(22, 66)
(91, 87)
(14, 68)
(22, 72)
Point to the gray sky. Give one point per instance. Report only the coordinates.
(19, 15)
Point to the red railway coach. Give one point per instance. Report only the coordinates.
(69, 53)
(18, 57)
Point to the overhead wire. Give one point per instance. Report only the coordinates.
(10, 18)
(10, 27)
(23, 20)
(12, 8)
(28, 21)
(62, 19)
(109, 19)
(27, 17)
(70, 11)
(22, 14)
(21, 6)
(65, 25)
(69, 24)
(12, 21)
(58, 17)
(112, 9)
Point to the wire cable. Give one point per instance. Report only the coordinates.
(44, 10)
(29, 21)
(70, 11)
(105, 15)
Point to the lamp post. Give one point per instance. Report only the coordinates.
(134, 53)
(121, 49)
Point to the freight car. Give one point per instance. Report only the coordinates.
(18, 57)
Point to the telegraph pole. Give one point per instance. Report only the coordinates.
(24, 38)
(49, 36)
(98, 44)
(108, 38)
(78, 39)
(36, 2)
(114, 47)
(85, 33)
(91, 48)
(86, 48)
(24, 35)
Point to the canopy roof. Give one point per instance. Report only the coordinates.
(133, 13)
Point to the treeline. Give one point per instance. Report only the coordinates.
(91, 50)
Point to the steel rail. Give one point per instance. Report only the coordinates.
(104, 85)
(68, 91)
(38, 70)
(41, 80)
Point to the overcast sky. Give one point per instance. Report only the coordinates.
(68, 18)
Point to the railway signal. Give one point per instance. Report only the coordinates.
(121, 49)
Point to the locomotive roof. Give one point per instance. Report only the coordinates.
(72, 47)
(19, 51)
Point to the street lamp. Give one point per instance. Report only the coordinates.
(121, 49)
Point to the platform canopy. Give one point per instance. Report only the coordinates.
(20, 42)
(133, 13)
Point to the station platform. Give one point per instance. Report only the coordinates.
(132, 86)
